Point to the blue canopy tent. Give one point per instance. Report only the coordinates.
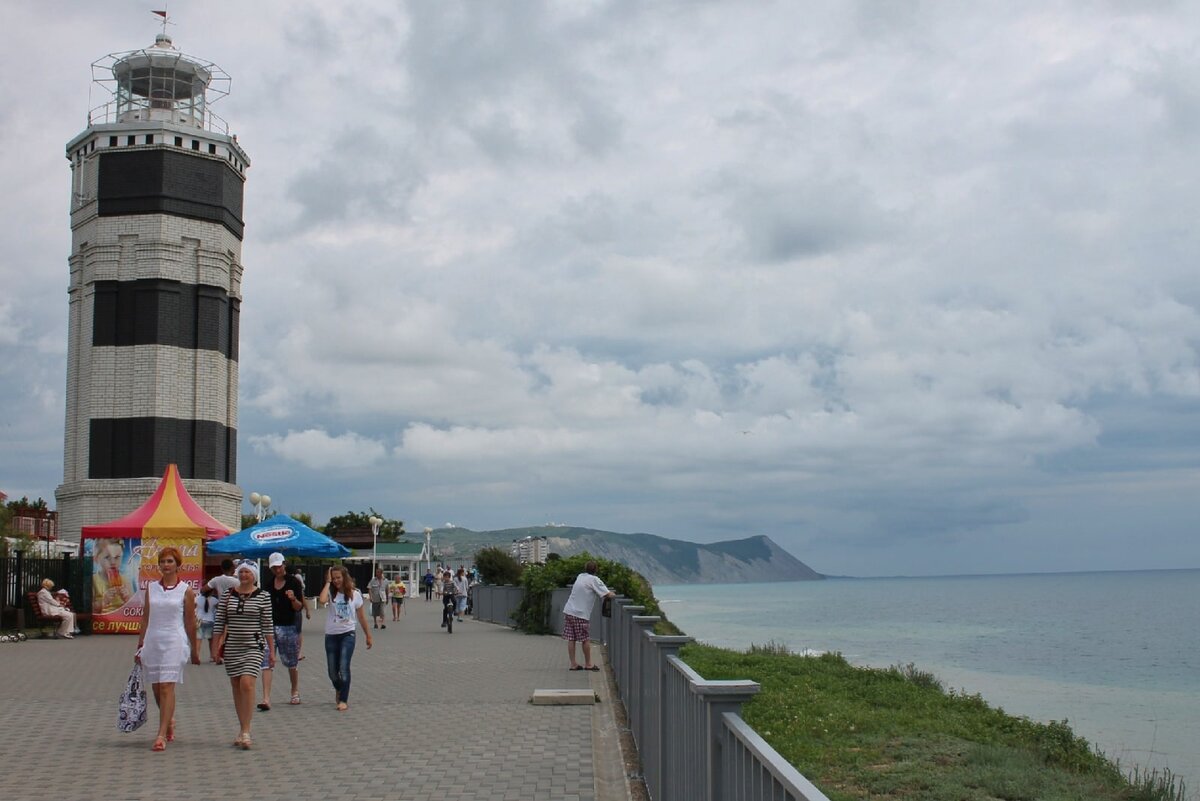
(279, 533)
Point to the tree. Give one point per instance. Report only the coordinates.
(497, 566)
(389, 530)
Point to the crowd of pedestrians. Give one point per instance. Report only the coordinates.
(252, 624)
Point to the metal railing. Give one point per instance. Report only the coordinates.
(692, 742)
(495, 604)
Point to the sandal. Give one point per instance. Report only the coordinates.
(342, 706)
(159, 744)
(593, 668)
(171, 731)
(245, 742)
(577, 667)
(264, 707)
(295, 699)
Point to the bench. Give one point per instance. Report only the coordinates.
(43, 622)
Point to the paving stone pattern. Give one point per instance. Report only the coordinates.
(432, 716)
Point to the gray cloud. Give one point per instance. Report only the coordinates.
(703, 270)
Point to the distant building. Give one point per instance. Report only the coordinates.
(401, 560)
(39, 524)
(530, 550)
(354, 537)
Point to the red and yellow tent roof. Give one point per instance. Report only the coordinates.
(170, 512)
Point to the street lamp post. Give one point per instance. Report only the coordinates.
(261, 504)
(428, 549)
(375, 522)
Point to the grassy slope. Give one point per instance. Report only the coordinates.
(859, 733)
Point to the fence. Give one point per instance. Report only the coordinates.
(495, 604)
(499, 605)
(691, 739)
(689, 731)
(22, 573)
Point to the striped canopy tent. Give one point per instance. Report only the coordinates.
(170, 512)
(124, 553)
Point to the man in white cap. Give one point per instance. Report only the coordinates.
(286, 602)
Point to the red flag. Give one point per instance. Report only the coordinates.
(162, 14)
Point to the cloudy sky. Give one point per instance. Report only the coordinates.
(910, 287)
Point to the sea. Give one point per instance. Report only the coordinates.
(1115, 654)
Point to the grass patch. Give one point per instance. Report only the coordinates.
(895, 733)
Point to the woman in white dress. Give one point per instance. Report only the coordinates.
(166, 639)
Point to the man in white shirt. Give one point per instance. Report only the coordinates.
(578, 613)
(225, 582)
(377, 591)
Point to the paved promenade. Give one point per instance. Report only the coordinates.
(432, 716)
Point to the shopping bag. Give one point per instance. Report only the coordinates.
(131, 709)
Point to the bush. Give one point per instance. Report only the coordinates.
(539, 581)
(497, 566)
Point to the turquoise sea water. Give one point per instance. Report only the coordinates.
(1115, 654)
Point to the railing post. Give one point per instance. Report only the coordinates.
(627, 643)
(616, 644)
(719, 697)
(642, 625)
(654, 754)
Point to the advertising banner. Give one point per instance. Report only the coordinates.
(121, 569)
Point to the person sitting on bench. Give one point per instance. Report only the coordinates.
(52, 608)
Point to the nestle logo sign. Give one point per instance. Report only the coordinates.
(273, 534)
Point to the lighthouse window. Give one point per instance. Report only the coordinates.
(195, 145)
(149, 139)
(212, 149)
(179, 141)
(131, 140)
(112, 141)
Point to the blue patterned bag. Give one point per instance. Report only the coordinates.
(131, 709)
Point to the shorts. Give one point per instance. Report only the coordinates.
(287, 646)
(205, 630)
(575, 629)
(376, 608)
(398, 600)
(460, 603)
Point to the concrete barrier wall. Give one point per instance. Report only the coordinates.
(495, 604)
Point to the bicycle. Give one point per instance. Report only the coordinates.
(448, 612)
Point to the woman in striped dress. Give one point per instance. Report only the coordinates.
(245, 640)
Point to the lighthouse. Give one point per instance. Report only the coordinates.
(155, 291)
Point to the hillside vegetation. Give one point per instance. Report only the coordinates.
(896, 735)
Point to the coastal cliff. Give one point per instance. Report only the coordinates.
(659, 559)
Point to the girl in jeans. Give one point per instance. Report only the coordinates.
(345, 604)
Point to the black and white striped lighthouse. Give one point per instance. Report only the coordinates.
(155, 291)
